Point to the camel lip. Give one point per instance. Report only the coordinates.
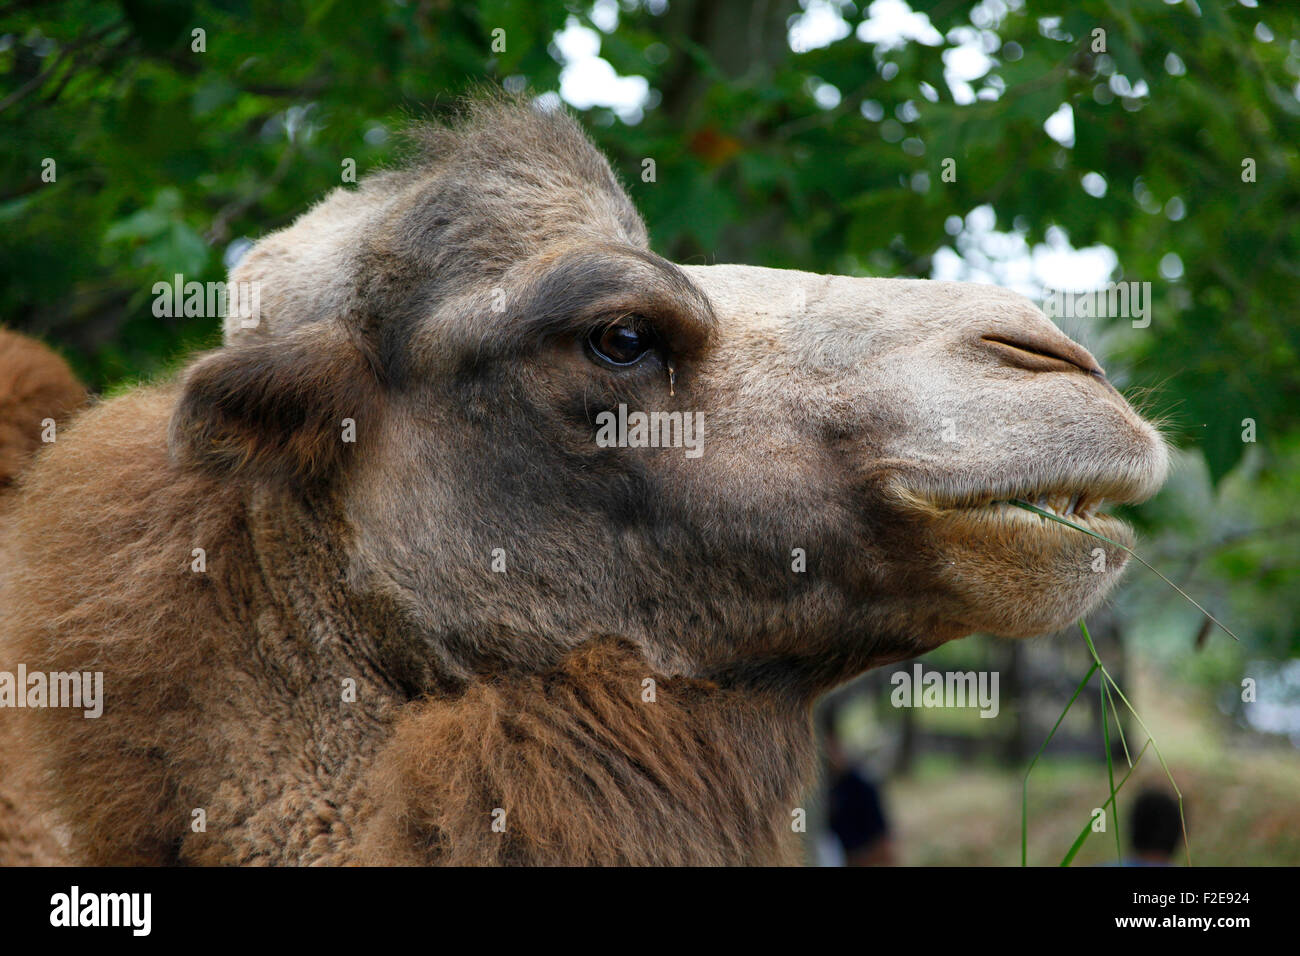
(1067, 508)
(1001, 516)
(991, 509)
(1078, 506)
(1071, 498)
(1088, 516)
(1069, 489)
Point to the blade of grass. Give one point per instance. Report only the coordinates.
(1087, 827)
(1101, 537)
(1110, 769)
(1106, 678)
(1119, 724)
(1024, 791)
(1105, 733)
(1187, 847)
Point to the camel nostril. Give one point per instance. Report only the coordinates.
(1038, 355)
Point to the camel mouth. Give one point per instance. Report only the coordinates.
(1077, 506)
(1079, 509)
(995, 509)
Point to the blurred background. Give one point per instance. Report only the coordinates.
(986, 142)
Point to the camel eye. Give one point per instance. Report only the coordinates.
(623, 342)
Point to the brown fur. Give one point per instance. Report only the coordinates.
(582, 771)
(442, 310)
(284, 770)
(35, 385)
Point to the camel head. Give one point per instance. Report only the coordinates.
(823, 491)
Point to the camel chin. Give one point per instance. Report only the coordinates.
(1022, 575)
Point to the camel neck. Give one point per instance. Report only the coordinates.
(597, 762)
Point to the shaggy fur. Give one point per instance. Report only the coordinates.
(569, 757)
(285, 771)
(473, 636)
(36, 387)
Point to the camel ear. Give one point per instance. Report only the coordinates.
(293, 407)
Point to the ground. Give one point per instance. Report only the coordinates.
(1241, 798)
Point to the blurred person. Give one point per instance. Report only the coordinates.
(855, 812)
(1155, 829)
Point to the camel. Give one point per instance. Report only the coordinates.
(364, 589)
